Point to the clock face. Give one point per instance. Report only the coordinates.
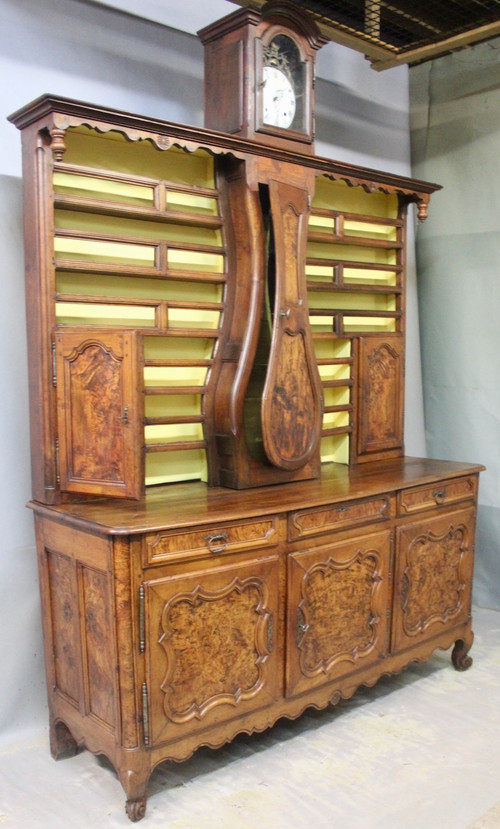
(278, 98)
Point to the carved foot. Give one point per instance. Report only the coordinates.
(459, 657)
(62, 742)
(135, 809)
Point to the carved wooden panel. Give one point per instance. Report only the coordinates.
(433, 576)
(317, 520)
(442, 494)
(337, 609)
(381, 388)
(204, 542)
(62, 597)
(81, 625)
(99, 418)
(97, 624)
(210, 645)
(292, 402)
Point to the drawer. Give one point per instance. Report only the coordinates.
(210, 540)
(438, 494)
(318, 520)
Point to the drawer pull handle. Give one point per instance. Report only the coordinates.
(216, 539)
(439, 496)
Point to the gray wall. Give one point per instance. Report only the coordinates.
(455, 118)
(96, 54)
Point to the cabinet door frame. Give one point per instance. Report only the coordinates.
(78, 410)
(179, 666)
(429, 601)
(380, 402)
(362, 563)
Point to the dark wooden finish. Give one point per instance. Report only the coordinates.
(234, 49)
(179, 615)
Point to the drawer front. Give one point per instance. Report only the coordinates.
(318, 520)
(211, 540)
(439, 494)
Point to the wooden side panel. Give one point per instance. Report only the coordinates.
(224, 61)
(64, 617)
(99, 415)
(338, 600)
(97, 627)
(76, 586)
(433, 577)
(292, 404)
(380, 390)
(210, 646)
(40, 288)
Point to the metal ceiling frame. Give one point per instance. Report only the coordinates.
(387, 57)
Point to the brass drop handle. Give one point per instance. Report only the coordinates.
(439, 496)
(215, 539)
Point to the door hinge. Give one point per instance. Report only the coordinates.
(142, 620)
(54, 365)
(145, 713)
(391, 556)
(58, 474)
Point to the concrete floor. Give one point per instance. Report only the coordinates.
(420, 750)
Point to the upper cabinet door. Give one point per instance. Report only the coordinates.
(292, 402)
(99, 413)
(381, 390)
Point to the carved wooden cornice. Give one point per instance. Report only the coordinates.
(56, 115)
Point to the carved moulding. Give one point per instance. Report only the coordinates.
(432, 584)
(216, 643)
(329, 591)
(55, 115)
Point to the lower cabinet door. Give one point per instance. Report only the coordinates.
(210, 647)
(337, 613)
(433, 575)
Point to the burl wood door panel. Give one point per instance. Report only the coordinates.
(381, 389)
(337, 614)
(433, 574)
(211, 650)
(99, 417)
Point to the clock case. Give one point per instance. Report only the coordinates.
(235, 55)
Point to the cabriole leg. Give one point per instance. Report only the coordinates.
(460, 658)
(135, 785)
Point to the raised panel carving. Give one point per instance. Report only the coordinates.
(338, 609)
(215, 631)
(65, 626)
(433, 576)
(98, 413)
(292, 402)
(98, 644)
(380, 425)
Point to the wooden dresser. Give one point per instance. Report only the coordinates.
(228, 530)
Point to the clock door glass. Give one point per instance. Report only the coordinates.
(283, 85)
